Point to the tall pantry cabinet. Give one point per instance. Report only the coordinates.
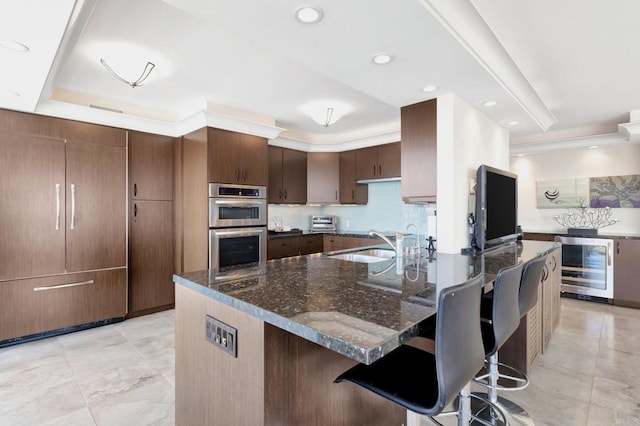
(63, 224)
(151, 248)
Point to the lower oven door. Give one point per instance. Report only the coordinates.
(587, 266)
(237, 250)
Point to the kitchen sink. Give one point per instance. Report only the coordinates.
(365, 256)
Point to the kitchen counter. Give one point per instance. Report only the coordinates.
(299, 232)
(341, 306)
(300, 325)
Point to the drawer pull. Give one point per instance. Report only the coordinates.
(55, 286)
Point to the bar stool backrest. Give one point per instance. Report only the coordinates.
(531, 278)
(505, 315)
(459, 350)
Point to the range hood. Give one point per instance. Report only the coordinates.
(390, 179)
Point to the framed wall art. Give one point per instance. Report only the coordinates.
(562, 193)
(615, 191)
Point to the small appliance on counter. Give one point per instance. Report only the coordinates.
(323, 223)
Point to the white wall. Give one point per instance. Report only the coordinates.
(466, 139)
(612, 160)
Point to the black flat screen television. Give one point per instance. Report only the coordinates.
(496, 207)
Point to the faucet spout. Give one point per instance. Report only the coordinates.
(379, 234)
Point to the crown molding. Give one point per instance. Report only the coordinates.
(466, 25)
(627, 133)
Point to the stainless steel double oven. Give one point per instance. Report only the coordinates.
(237, 230)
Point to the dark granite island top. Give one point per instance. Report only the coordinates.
(340, 305)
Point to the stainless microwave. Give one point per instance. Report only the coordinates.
(237, 205)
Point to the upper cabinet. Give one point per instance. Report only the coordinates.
(350, 191)
(151, 166)
(323, 177)
(236, 158)
(377, 162)
(287, 176)
(419, 162)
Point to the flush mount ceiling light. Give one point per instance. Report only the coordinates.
(429, 89)
(513, 123)
(593, 147)
(14, 46)
(326, 113)
(145, 73)
(382, 58)
(309, 14)
(489, 104)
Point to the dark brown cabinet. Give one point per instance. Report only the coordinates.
(63, 236)
(350, 192)
(278, 248)
(38, 305)
(151, 255)
(67, 206)
(342, 242)
(323, 177)
(626, 285)
(419, 152)
(151, 166)
(151, 236)
(377, 162)
(236, 158)
(287, 176)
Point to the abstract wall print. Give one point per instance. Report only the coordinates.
(615, 191)
(562, 193)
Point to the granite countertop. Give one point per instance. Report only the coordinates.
(339, 304)
(302, 232)
(601, 234)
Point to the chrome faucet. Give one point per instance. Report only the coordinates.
(379, 234)
(416, 246)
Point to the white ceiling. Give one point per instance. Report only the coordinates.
(550, 65)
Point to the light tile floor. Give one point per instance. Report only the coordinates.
(123, 374)
(119, 374)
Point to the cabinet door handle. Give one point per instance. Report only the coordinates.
(336, 195)
(374, 169)
(135, 189)
(379, 170)
(555, 263)
(73, 206)
(617, 247)
(53, 287)
(57, 206)
(280, 197)
(353, 194)
(285, 194)
(237, 174)
(135, 210)
(244, 175)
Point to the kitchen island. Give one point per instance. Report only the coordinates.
(301, 324)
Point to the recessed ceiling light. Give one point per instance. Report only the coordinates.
(309, 14)
(382, 58)
(429, 89)
(520, 155)
(490, 103)
(593, 147)
(14, 46)
(513, 123)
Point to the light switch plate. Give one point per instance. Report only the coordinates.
(222, 335)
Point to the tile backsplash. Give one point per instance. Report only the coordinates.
(385, 212)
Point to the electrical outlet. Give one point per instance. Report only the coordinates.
(347, 223)
(222, 335)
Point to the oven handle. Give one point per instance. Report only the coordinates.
(239, 232)
(240, 203)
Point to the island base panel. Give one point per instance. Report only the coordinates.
(299, 387)
(278, 378)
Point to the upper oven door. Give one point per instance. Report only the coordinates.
(229, 212)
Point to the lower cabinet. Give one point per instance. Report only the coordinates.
(39, 305)
(531, 338)
(626, 287)
(343, 242)
(151, 255)
(278, 248)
